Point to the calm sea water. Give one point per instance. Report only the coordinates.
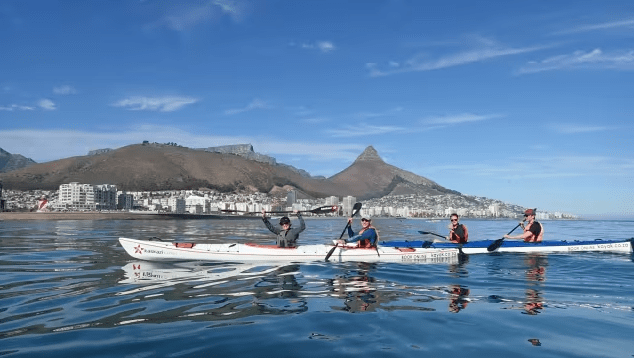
(67, 288)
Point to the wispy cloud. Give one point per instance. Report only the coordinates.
(595, 59)
(460, 118)
(162, 104)
(16, 107)
(387, 113)
(47, 104)
(64, 90)
(322, 46)
(46, 145)
(363, 129)
(487, 49)
(629, 23)
(577, 128)
(184, 16)
(255, 104)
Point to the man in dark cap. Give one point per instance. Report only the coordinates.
(533, 230)
(286, 236)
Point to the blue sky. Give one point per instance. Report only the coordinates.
(529, 102)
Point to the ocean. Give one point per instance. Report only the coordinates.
(67, 288)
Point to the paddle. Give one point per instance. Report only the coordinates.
(432, 233)
(426, 244)
(319, 210)
(497, 243)
(355, 210)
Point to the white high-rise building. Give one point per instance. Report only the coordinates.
(75, 196)
(347, 205)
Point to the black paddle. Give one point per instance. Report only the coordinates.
(426, 244)
(355, 210)
(497, 243)
(319, 210)
(432, 233)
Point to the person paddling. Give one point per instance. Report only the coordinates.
(533, 230)
(458, 233)
(367, 236)
(286, 236)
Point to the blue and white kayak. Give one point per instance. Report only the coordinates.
(249, 252)
(562, 246)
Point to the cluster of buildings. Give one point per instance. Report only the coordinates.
(106, 197)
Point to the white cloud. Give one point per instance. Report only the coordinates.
(486, 49)
(460, 118)
(577, 128)
(184, 16)
(323, 46)
(47, 104)
(363, 129)
(595, 59)
(64, 90)
(601, 26)
(162, 104)
(255, 104)
(16, 107)
(47, 145)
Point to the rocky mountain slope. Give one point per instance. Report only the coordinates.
(9, 162)
(168, 167)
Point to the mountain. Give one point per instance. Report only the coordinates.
(10, 161)
(374, 178)
(144, 167)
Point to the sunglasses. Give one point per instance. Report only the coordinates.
(365, 220)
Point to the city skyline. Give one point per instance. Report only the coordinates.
(526, 102)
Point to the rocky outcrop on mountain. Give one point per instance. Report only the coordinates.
(9, 162)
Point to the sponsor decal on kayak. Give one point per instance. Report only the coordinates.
(430, 256)
(599, 246)
(139, 250)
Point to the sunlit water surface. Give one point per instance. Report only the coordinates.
(67, 288)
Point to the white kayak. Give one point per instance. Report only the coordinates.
(233, 252)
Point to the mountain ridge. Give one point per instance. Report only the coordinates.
(143, 167)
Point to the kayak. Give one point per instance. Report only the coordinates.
(563, 246)
(233, 252)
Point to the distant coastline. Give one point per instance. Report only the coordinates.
(91, 215)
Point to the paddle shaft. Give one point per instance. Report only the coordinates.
(355, 210)
(497, 243)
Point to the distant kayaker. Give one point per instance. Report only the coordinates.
(286, 236)
(458, 233)
(367, 236)
(533, 230)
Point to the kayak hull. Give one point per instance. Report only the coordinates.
(234, 252)
(480, 247)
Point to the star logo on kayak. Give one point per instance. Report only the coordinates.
(138, 249)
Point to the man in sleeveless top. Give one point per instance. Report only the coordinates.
(533, 230)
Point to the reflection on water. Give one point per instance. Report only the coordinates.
(66, 283)
(535, 278)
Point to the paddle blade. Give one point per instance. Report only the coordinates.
(495, 245)
(330, 252)
(355, 209)
(324, 209)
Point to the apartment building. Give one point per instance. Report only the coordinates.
(76, 197)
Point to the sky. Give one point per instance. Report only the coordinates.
(528, 102)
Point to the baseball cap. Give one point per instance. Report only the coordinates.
(530, 212)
